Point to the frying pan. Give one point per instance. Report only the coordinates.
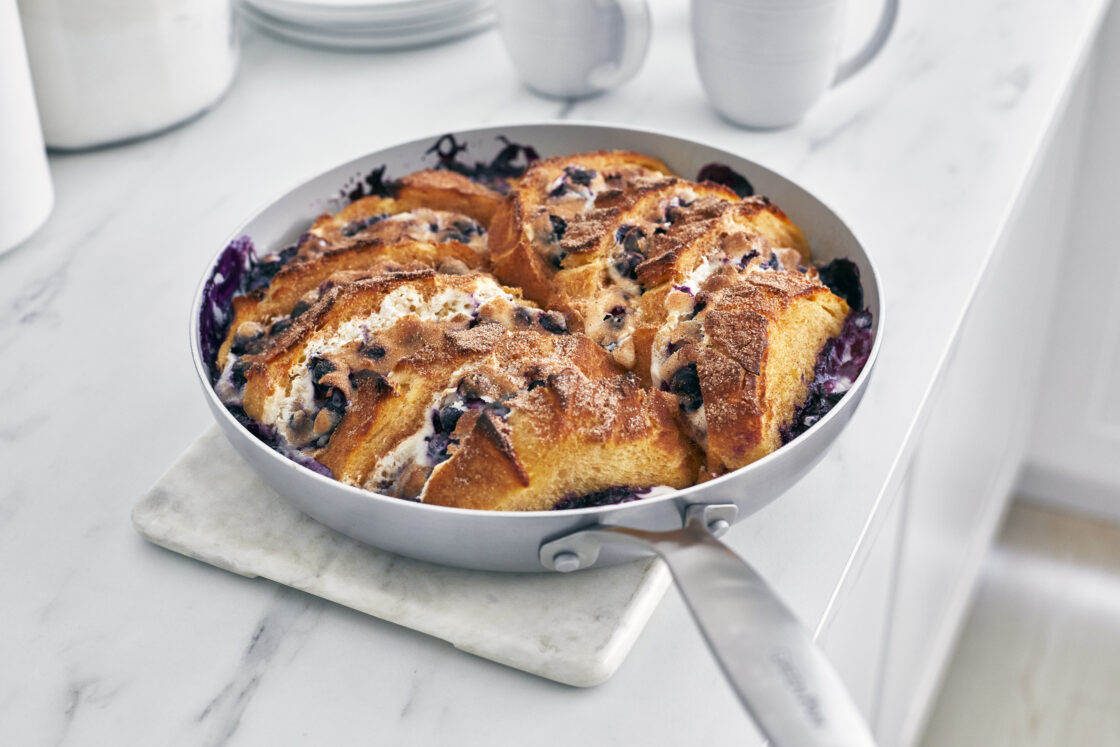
(780, 675)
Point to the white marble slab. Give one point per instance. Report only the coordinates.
(575, 629)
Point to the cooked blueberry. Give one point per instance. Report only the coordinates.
(672, 213)
(352, 228)
(842, 278)
(535, 383)
(437, 447)
(279, 326)
(685, 383)
(627, 264)
(498, 409)
(247, 344)
(746, 258)
(448, 416)
(560, 189)
(462, 230)
(474, 387)
(336, 402)
(630, 237)
(701, 302)
(521, 315)
(372, 350)
(558, 259)
(320, 367)
(300, 308)
(579, 175)
(773, 263)
(554, 322)
(559, 226)
(728, 177)
(605, 497)
(616, 317)
(237, 373)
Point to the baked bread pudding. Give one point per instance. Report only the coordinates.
(576, 331)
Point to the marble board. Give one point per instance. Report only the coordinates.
(575, 629)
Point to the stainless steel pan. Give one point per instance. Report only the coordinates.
(782, 678)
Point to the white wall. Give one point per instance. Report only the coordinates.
(1074, 455)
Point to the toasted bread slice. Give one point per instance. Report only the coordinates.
(439, 190)
(570, 437)
(742, 363)
(299, 284)
(348, 330)
(526, 231)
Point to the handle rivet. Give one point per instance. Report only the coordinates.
(719, 526)
(566, 562)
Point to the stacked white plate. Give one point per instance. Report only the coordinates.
(369, 24)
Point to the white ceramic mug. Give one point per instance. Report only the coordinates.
(575, 48)
(764, 63)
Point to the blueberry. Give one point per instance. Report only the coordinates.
(616, 317)
(630, 238)
(373, 350)
(352, 228)
(336, 401)
(842, 278)
(579, 175)
(773, 263)
(250, 345)
(437, 448)
(279, 326)
(728, 177)
(521, 315)
(237, 374)
(627, 264)
(473, 387)
(554, 322)
(465, 226)
(685, 383)
(448, 416)
(299, 309)
(559, 190)
(701, 302)
(746, 258)
(559, 226)
(320, 367)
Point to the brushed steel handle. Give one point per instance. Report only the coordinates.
(781, 676)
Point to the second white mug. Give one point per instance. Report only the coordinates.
(575, 48)
(764, 63)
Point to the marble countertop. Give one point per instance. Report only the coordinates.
(106, 639)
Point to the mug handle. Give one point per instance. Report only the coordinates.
(636, 32)
(859, 60)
